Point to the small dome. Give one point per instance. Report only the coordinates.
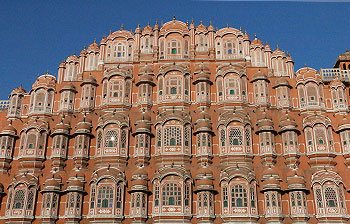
(203, 123)
(145, 78)
(76, 183)
(141, 182)
(210, 27)
(271, 171)
(147, 69)
(69, 87)
(204, 182)
(90, 79)
(281, 81)
(259, 76)
(93, 47)
(287, 123)
(52, 183)
(72, 58)
(9, 129)
(256, 41)
(267, 48)
(83, 52)
(204, 171)
(278, 53)
(45, 80)
(264, 123)
(19, 90)
(140, 171)
(307, 73)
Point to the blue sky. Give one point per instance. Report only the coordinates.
(36, 35)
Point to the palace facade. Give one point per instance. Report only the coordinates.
(178, 123)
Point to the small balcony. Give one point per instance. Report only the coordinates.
(329, 74)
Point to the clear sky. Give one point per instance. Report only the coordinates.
(36, 35)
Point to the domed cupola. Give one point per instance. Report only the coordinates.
(203, 123)
(93, 47)
(204, 179)
(202, 74)
(287, 123)
(143, 124)
(264, 123)
(84, 126)
(139, 181)
(296, 180)
(271, 178)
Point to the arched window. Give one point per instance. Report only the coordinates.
(230, 48)
(120, 51)
(172, 194)
(330, 197)
(18, 200)
(111, 138)
(235, 136)
(239, 196)
(328, 194)
(172, 136)
(105, 197)
(174, 47)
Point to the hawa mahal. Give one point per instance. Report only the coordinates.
(178, 123)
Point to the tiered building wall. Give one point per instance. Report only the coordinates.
(178, 123)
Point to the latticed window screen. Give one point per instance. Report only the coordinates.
(319, 199)
(187, 135)
(239, 196)
(331, 197)
(174, 85)
(156, 195)
(159, 137)
(31, 141)
(111, 138)
(116, 89)
(273, 199)
(118, 197)
(172, 136)
(320, 134)
(187, 194)
(105, 197)
(247, 136)
(299, 199)
(92, 197)
(123, 137)
(18, 199)
(235, 136)
(47, 202)
(222, 137)
(54, 200)
(252, 197)
(171, 194)
(225, 196)
(30, 199)
(99, 140)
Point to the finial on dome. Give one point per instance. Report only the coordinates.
(227, 25)
(201, 22)
(210, 23)
(255, 36)
(174, 18)
(95, 40)
(122, 27)
(192, 21)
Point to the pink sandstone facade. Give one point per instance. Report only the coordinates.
(178, 123)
